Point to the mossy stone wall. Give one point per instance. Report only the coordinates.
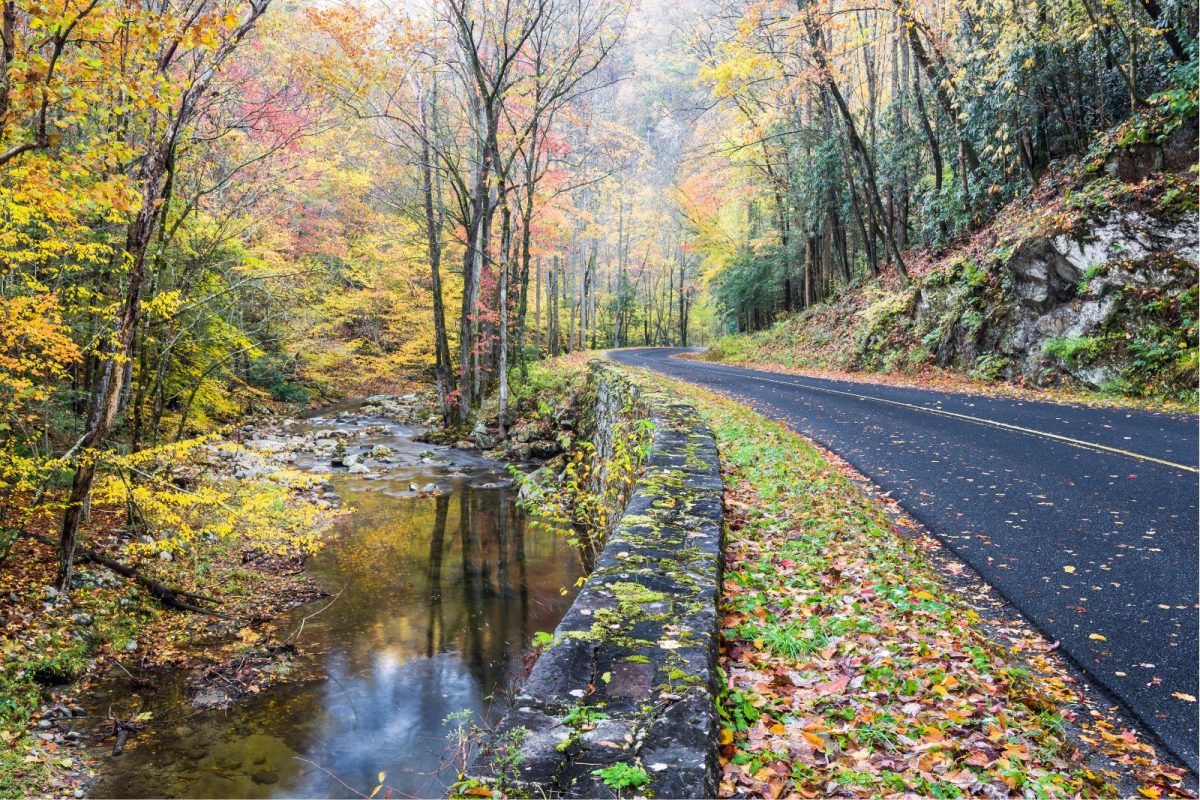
(625, 693)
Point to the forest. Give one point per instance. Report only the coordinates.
(211, 205)
(215, 210)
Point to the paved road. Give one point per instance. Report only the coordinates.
(1085, 519)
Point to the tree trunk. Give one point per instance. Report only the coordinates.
(433, 239)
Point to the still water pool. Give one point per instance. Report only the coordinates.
(440, 597)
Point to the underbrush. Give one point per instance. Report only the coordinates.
(581, 492)
(180, 518)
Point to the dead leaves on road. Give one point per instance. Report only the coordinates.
(850, 667)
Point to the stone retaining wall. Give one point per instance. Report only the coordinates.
(630, 677)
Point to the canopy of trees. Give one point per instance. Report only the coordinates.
(209, 204)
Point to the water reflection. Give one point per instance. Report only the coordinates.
(441, 597)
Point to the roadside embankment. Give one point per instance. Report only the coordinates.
(623, 694)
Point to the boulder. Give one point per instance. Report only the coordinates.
(482, 438)
(544, 448)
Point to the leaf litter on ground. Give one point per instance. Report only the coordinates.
(853, 666)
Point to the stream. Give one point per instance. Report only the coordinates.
(440, 597)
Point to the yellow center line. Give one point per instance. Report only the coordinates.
(954, 415)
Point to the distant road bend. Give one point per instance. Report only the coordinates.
(1085, 519)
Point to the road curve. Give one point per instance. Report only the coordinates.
(1085, 519)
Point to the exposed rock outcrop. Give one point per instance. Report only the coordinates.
(1062, 298)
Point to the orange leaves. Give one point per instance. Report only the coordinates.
(813, 739)
(835, 686)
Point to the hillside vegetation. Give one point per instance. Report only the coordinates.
(1089, 282)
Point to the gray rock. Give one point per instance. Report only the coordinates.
(544, 448)
(210, 699)
(359, 469)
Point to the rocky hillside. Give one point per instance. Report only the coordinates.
(1090, 282)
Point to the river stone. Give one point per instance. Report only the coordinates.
(265, 776)
(482, 439)
(544, 448)
(210, 699)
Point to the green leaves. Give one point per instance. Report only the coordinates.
(623, 776)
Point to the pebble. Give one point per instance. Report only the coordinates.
(131, 646)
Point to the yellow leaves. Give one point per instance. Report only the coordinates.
(725, 737)
(1069, 569)
(1097, 637)
(164, 305)
(737, 70)
(1183, 696)
(1149, 791)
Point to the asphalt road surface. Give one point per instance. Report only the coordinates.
(1085, 519)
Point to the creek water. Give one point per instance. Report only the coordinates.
(440, 597)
